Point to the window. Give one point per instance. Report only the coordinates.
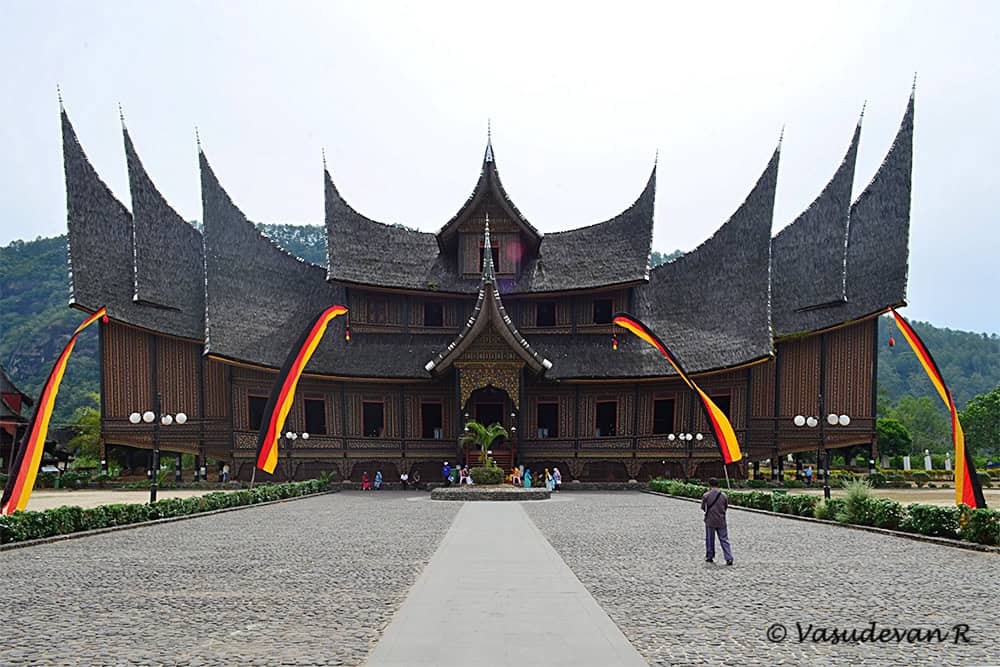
(545, 314)
(256, 406)
(723, 401)
(548, 420)
(430, 421)
(663, 415)
(607, 418)
(315, 416)
(602, 311)
(495, 252)
(433, 314)
(373, 418)
(377, 310)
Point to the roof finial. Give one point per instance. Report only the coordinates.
(323, 152)
(197, 138)
(864, 105)
(656, 158)
(489, 140)
(913, 89)
(59, 95)
(488, 269)
(121, 116)
(781, 137)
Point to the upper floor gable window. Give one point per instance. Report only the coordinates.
(603, 309)
(545, 314)
(433, 314)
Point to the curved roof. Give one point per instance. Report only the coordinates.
(101, 247)
(488, 184)
(612, 252)
(489, 309)
(809, 256)
(168, 254)
(877, 241)
(258, 298)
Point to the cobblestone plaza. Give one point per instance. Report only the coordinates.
(317, 581)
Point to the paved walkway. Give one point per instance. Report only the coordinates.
(497, 593)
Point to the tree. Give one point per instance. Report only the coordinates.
(925, 419)
(86, 423)
(893, 438)
(483, 437)
(981, 423)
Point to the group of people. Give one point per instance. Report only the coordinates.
(405, 481)
(457, 475)
(520, 476)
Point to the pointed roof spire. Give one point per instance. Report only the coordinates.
(864, 106)
(781, 138)
(489, 141)
(323, 153)
(197, 140)
(913, 89)
(489, 273)
(121, 117)
(59, 95)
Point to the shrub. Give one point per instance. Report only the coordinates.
(877, 480)
(984, 480)
(829, 509)
(757, 483)
(921, 478)
(857, 507)
(886, 513)
(980, 525)
(487, 475)
(782, 503)
(932, 520)
(805, 505)
(694, 480)
(794, 484)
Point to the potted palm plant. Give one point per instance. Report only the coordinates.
(477, 435)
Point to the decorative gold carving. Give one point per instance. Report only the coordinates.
(477, 375)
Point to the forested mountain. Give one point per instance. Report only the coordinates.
(35, 323)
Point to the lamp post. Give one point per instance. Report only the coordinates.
(290, 438)
(149, 417)
(812, 422)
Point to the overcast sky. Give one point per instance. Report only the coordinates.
(581, 97)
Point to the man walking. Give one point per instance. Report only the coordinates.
(714, 504)
(446, 471)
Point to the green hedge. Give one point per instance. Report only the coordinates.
(974, 525)
(489, 475)
(21, 526)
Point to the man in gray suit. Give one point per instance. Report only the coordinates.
(714, 504)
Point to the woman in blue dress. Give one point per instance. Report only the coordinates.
(378, 480)
(527, 479)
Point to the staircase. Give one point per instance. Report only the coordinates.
(502, 457)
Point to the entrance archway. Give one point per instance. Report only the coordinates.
(491, 405)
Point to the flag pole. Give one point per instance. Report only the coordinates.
(725, 469)
(252, 476)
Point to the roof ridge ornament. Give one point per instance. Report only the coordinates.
(121, 117)
(913, 88)
(197, 140)
(488, 269)
(59, 96)
(864, 105)
(489, 141)
(781, 138)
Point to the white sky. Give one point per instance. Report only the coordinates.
(581, 96)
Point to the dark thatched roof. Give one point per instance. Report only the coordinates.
(613, 252)
(259, 298)
(809, 256)
(489, 311)
(101, 259)
(363, 251)
(487, 187)
(8, 388)
(877, 241)
(169, 257)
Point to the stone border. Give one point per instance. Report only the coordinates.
(142, 524)
(942, 541)
(490, 494)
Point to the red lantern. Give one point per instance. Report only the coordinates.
(614, 342)
(892, 342)
(347, 335)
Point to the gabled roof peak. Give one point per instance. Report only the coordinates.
(489, 142)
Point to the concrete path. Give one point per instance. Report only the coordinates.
(496, 593)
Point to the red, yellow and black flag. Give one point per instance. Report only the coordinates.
(968, 491)
(725, 436)
(29, 452)
(283, 392)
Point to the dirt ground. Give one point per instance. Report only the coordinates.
(46, 499)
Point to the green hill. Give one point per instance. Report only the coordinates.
(36, 323)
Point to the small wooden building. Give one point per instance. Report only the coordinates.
(491, 319)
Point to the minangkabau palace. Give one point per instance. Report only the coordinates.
(492, 320)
